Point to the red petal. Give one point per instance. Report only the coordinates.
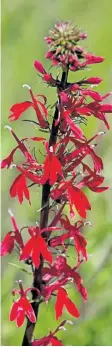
(20, 317)
(29, 310)
(18, 109)
(19, 188)
(93, 80)
(94, 95)
(106, 108)
(60, 301)
(72, 309)
(8, 160)
(44, 250)
(13, 312)
(39, 67)
(28, 248)
(79, 199)
(55, 342)
(36, 254)
(7, 244)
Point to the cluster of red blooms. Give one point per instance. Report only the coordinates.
(65, 170)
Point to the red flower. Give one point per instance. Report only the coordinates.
(51, 339)
(36, 246)
(92, 59)
(74, 232)
(21, 146)
(63, 300)
(22, 307)
(94, 108)
(39, 67)
(9, 240)
(78, 199)
(19, 189)
(7, 244)
(38, 106)
(8, 160)
(92, 80)
(52, 168)
(46, 77)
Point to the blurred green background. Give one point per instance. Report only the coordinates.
(24, 25)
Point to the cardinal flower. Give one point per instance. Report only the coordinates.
(36, 246)
(52, 168)
(38, 106)
(9, 240)
(50, 339)
(19, 188)
(64, 300)
(22, 307)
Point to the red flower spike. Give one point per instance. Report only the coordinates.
(34, 247)
(19, 189)
(21, 308)
(63, 300)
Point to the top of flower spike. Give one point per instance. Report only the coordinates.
(64, 49)
(62, 41)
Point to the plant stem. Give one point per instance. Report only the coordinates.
(37, 281)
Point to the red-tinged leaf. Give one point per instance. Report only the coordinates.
(71, 307)
(8, 160)
(60, 301)
(29, 310)
(107, 108)
(39, 67)
(28, 248)
(19, 188)
(18, 109)
(35, 138)
(44, 250)
(55, 342)
(7, 244)
(13, 311)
